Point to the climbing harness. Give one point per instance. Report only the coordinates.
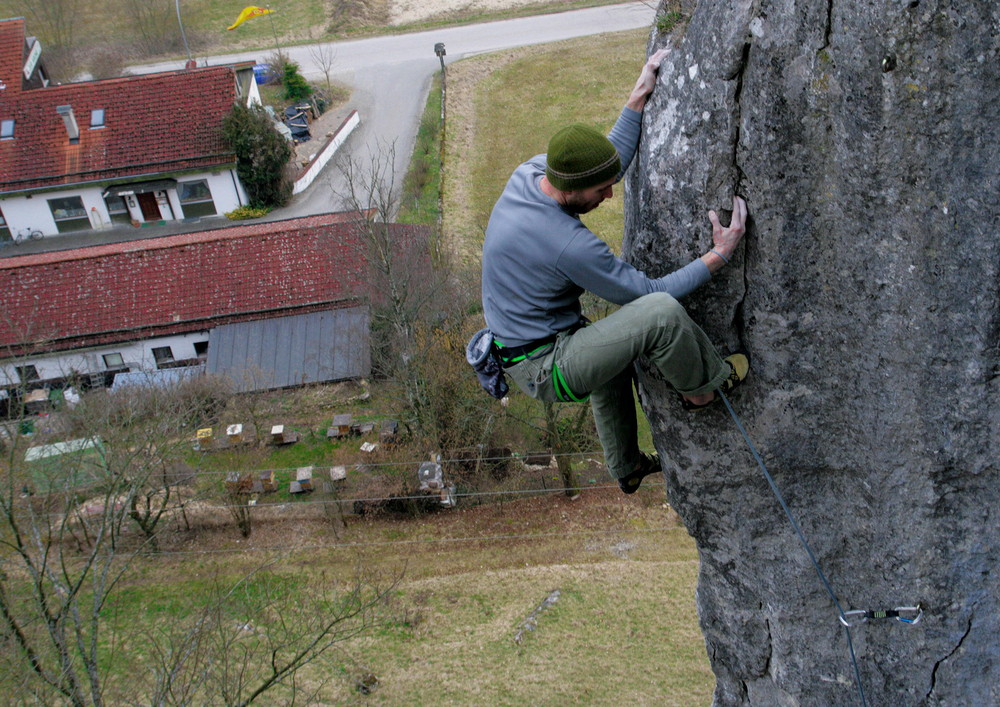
(906, 614)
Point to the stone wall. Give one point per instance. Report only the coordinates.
(864, 136)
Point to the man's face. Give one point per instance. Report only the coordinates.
(583, 201)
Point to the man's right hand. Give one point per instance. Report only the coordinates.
(726, 238)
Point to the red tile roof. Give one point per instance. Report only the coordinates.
(138, 289)
(11, 55)
(155, 123)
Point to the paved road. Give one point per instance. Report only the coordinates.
(390, 77)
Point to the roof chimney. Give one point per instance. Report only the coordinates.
(71, 127)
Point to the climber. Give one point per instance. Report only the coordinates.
(538, 258)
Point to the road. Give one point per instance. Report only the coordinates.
(390, 76)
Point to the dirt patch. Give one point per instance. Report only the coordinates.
(410, 11)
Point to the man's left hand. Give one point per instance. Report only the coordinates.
(646, 82)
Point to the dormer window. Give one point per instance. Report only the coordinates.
(6, 129)
(97, 118)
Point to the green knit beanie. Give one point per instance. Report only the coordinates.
(580, 157)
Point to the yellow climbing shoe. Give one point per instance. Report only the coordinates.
(740, 365)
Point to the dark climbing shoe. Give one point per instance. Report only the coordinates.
(648, 464)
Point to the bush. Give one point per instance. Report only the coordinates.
(262, 156)
(296, 87)
(245, 212)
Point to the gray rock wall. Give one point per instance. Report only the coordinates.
(865, 137)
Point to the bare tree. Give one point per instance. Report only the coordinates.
(253, 637)
(404, 287)
(153, 25)
(54, 21)
(51, 596)
(324, 56)
(148, 438)
(240, 503)
(67, 549)
(419, 305)
(564, 434)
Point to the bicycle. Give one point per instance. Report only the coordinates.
(28, 234)
(25, 234)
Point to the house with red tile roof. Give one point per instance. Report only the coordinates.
(283, 300)
(129, 150)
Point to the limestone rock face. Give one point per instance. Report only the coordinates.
(865, 137)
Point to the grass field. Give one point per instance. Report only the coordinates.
(622, 630)
(96, 28)
(503, 108)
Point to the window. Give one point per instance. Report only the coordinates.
(196, 199)
(97, 118)
(69, 214)
(117, 209)
(6, 129)
(163, 356)
(27, 373)
(4, 230)
(114, 361)
(201, 349)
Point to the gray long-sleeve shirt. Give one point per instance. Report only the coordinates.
(539, 258)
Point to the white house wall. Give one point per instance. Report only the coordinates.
(32, 212)
(227, 192)
(253, 95)
(137, 355)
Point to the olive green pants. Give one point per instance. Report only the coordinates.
(598, 360)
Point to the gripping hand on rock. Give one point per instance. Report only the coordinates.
(726, 238)
(646, 82)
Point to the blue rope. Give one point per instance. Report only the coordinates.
(805, 544)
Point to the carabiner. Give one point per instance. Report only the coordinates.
(915, 611)
(853, 618)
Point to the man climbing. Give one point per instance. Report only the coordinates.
(538, 258)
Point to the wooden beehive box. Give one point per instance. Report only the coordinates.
(234, 433)
(279, 435)
(389, 431)
(362, 428)
(267, 481)
(203, 439)
(304, 476)
(341, 426)
(239, 483)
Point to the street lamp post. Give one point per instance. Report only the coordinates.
(190, 61)
(439, 51)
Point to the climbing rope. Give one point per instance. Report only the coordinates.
(802, 538)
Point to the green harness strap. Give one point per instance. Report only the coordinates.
(518, 359)
(563, 391)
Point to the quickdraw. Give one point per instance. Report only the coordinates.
(906, 614)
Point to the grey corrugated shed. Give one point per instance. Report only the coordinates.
(286, 351)
(164, 378)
